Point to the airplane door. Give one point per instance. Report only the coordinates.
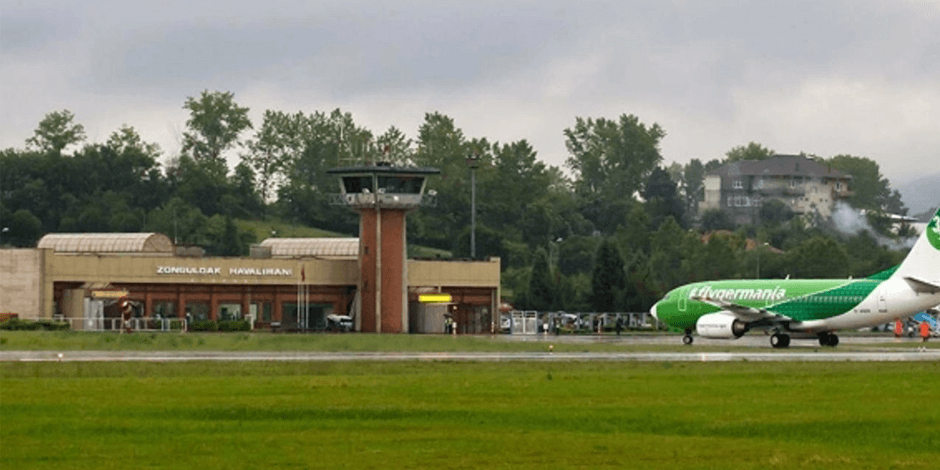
(882, 300)
(683, 301)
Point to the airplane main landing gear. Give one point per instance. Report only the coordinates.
(828, 339)
(780, 340)
(687, 339)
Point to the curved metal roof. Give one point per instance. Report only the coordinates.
(320, 247)
(107, 243)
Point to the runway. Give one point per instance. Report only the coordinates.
(691, 356)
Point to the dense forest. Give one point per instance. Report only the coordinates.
(611, 231)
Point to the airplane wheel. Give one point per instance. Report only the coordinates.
(824, 339)
(778, 340)
(687, 340)
(833, 340)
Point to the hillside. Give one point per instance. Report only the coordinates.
(921, 195)
(268, 228)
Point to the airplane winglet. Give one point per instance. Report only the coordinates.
(922, 286)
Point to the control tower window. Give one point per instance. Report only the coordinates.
(355, 184)
(400, 184)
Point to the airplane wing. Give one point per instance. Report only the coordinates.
(742, 312)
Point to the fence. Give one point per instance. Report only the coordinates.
(117, 324)
(533, 322)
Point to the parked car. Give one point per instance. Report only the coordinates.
(342, 323)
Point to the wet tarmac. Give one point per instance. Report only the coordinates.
(749, 340)
(902, 349)
(787, 355)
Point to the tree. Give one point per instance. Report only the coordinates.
(319, 142)
(126, 140)
(24, 229)
(751, 151)
(716, 219)
(868, 256)
(202, 184)
(215, 122)
(274, 144)
(542, 285)
(870, 189)
(442, 145)
(576, 254)
(693, 180)
(717, 258)
(130, 167)
(611, 161)
(245, 196)
(515, 196)
(666, 256)
(55, 132)
(893, 203)
(774, 212)
(662, 198)
(395, 147)
(183, 223)
(224, 238)
(713, 165)
(819, 257)
(609, 278)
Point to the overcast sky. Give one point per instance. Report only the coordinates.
(821, 77)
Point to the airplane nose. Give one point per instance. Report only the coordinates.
(653, 311)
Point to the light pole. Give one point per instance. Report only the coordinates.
(473, 161)
(759, 249)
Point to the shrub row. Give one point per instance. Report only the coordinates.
(15, 324)
(211, 325)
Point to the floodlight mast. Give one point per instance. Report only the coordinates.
(473, 160)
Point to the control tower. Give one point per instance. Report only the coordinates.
(382, 195)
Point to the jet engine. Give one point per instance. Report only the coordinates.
(720, 326)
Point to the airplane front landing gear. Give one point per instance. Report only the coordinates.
(780, 340)
(687, 339)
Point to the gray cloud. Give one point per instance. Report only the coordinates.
(824, 77)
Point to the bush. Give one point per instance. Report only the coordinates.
(207, 325)
(15, 324)
(234, 325)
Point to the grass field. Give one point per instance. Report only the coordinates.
(434, 415)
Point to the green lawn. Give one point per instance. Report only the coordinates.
(437, 415)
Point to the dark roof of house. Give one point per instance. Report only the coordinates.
(780, 165)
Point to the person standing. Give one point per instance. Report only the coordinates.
(924, 331)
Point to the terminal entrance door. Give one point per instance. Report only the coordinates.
(304, 317)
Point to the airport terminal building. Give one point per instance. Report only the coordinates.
(286, 284)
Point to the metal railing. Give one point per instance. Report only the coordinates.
(533, 322)
(117, 324)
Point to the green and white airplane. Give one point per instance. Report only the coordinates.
(808, 308)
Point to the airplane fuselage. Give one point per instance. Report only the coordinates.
(729, 309)
(812, 304)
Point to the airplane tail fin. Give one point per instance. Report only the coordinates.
(923, 261)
